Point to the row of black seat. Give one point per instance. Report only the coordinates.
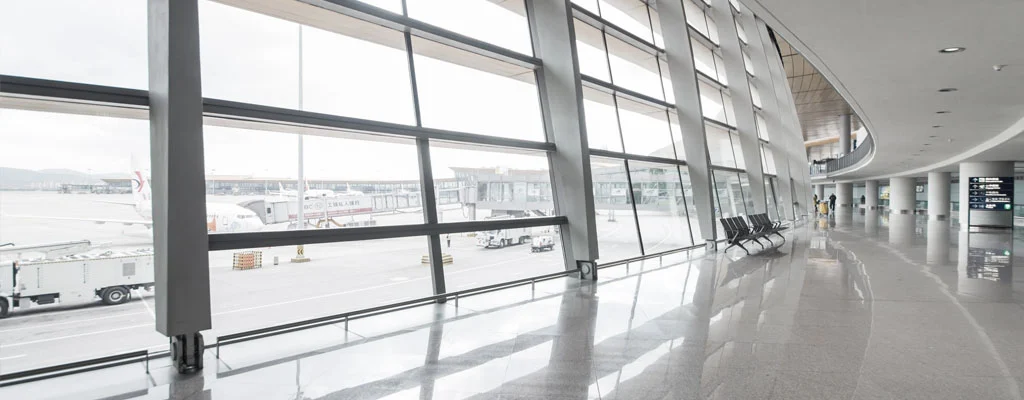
(737, 231)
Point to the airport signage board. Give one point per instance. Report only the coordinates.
(991, 193)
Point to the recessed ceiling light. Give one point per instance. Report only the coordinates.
(933, 136)
(936, 126)
(942, 112)
(947, 90)
(949, 50)
(927, 144)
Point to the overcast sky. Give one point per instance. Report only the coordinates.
(254, 58)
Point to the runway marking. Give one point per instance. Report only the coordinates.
(145, 304)
(12, 357)
(7, 346)
(69, 322)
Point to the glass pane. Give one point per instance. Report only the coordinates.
(337, 277)
(502, 23)
(656, 26)
(102, 42)
(666, 81)
(660, 207)
(254, 58)
(394, 6)
(491, 184)
(616, 228)
(730, 196)
(590, 5)
(748, 194)
(741, 33)
(493, 256)
(769, 192)
(630, 15)
(691, 209)
(730, 112)
(755, 96)
(77, 186)
(711, 103)
(747, 64)
(720, 67)
(762, 126)
(703, 59)
(720, 146)
(590, 51)
(634, 69)
(677, 135)
(712, 29)
(769, 160)
(645, 129)
(738, 152)
(465, 92)
(602, 123)
(695, 16)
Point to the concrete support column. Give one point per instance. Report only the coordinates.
(743, 105)
(845, 131)
(902, 195)
(871, 195)
(844, 202)
(990, 169)
(684, 87)
(819, 190)
(180, 242)
(758, 56)
(938, 195)
(561, 97)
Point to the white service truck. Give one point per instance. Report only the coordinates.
(502, 237)
(76, 278)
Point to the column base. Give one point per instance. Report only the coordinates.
(588, 270)
(187, 352)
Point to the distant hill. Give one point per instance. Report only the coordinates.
(47, 179)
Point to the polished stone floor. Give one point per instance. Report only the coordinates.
(868, 307)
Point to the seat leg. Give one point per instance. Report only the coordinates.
(744, 248)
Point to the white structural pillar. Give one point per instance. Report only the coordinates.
(561, 96)
(938, 195)
(771, 112)
(181, 246)
(844, 199)
(982, 218)
(845, 130)
(902, 195)
(819, 190)
(743, 105)
(871, 195)
(684, 87)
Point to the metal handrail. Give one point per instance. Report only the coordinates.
(846, 161)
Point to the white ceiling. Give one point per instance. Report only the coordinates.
(882, 56)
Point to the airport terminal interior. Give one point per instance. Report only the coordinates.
(469, 199)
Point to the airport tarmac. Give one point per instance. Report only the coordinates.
(340, 277)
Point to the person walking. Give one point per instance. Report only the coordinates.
(816, 203)
(832, 202)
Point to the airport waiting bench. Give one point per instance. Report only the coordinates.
(761, 227)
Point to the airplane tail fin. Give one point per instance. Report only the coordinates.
(141, 192)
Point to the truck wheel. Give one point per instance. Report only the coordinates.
(114, 295)
(4, 308)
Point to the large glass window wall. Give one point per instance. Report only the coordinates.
(385, 98)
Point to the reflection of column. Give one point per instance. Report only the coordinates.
(871, 195)
(561, 96)
(991, 169)
(938, 195)
(871, 222)
(574, 338)
(901, 229)
(902, 195)
(938, 242)
(679, 59)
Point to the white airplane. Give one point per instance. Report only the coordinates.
(220, 217)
